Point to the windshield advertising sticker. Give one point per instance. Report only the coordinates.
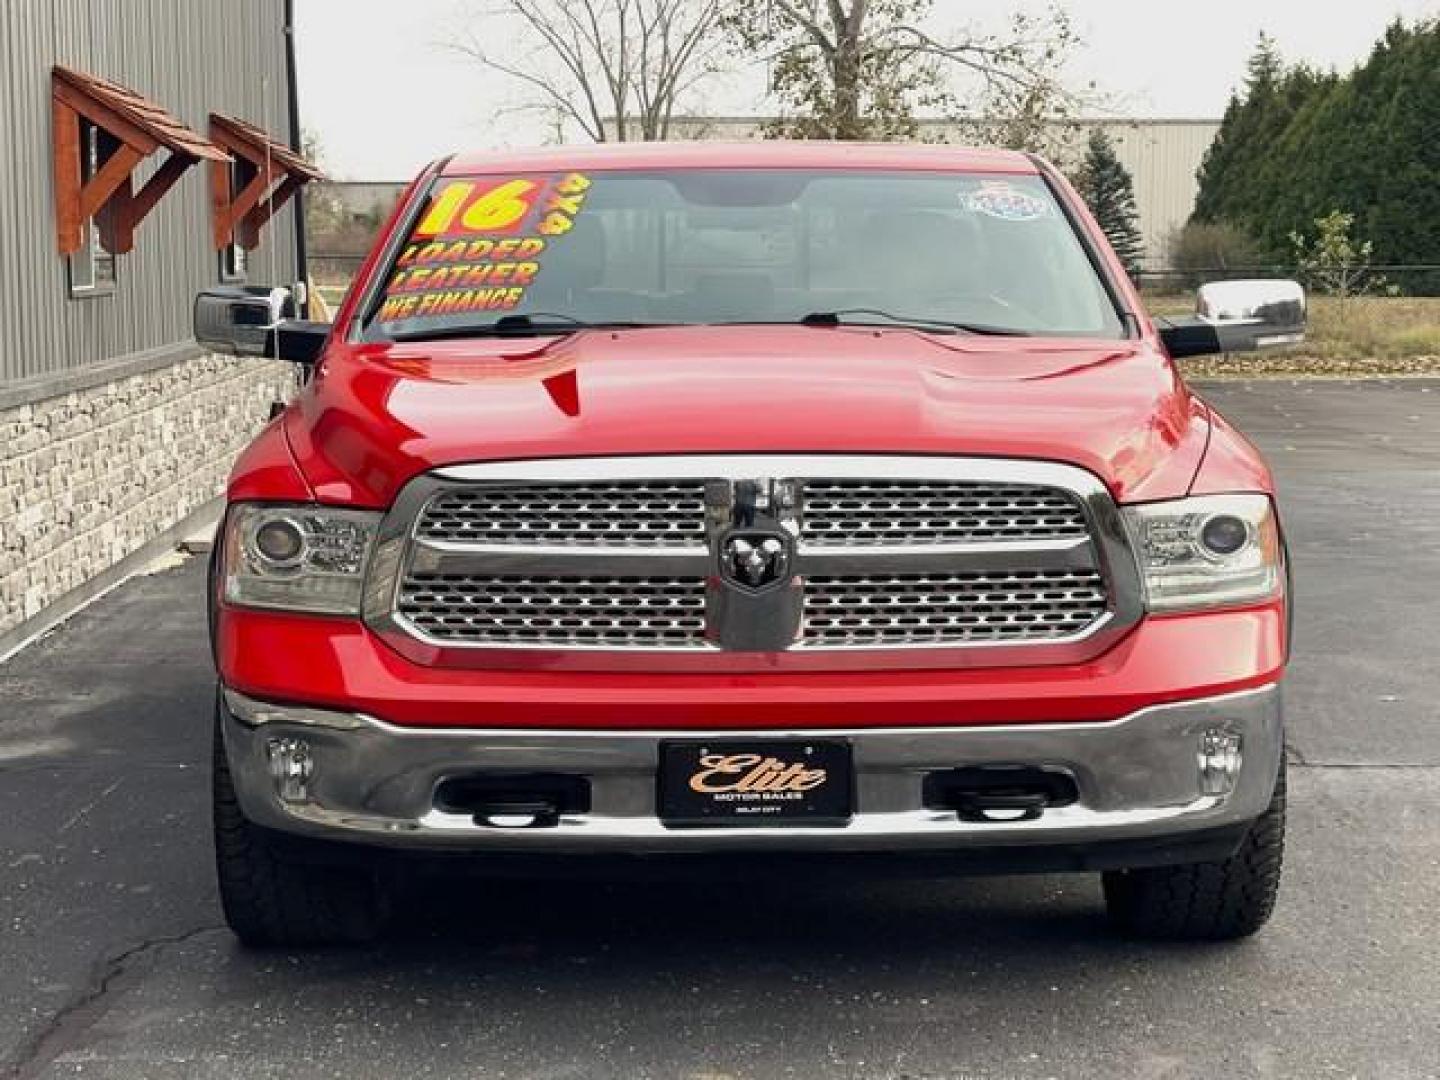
(1005, 202)
(480, 245)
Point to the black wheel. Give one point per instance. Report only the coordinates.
(1208, 901)
(272, 896)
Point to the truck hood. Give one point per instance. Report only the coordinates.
(377, 415)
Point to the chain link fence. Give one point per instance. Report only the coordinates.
(1422, 280)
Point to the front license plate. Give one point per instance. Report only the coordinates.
(755, 782)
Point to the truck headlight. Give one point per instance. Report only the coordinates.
(297, 558)
(1208, 551)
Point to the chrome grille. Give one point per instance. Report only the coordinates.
(929, 609)
(920, 556)
(851, 513)
(618, 612)
(623, 513)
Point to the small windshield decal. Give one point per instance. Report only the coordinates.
(1005, 202)
(481, 245)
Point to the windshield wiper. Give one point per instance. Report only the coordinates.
(846, 317)
(546, 322)
(543, 322)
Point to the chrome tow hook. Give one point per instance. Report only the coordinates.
(517, 815)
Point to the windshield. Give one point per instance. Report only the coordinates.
(980, 252)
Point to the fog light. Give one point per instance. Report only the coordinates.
(1219, 761)
(291, 767)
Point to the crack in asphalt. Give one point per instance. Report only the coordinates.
(77, 1015)
(1297, 758)
(1356, 765)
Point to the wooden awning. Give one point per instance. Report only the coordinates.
(134, 127)
(278, 173)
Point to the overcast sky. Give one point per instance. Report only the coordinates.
(384, 95)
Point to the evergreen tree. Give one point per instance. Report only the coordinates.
(1106, 185)
(1280, 187)
(1297, 145)
(1254, 122)
(1265, 66)
(1390, 174)
(1222, 166)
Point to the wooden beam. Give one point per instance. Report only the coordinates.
(105, 117)
(241, 219)
(223, 139)
(220, 231)
(110, 215)
(128, 129)
(116, 171)
(243, 203)
(65, 146)
(112, 219)
(140, 205)
(251, 194)
(249, 232)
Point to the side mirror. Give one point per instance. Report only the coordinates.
(250, 320)
(1238, 316)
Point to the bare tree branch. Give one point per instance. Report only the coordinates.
(547, 90)
(871, 69)
(615, 69)
(807, 21)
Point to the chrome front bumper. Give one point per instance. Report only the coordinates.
(1139, 778)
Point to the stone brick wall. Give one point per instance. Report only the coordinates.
(88, 477)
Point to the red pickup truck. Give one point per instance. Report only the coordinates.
(770, 499)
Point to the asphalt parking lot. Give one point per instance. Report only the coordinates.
(113, 962)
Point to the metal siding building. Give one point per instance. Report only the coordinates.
(1163, 157)
(194, 57)
(115, 430)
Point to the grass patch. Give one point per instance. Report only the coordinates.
(1416, 341)
(1382, 328)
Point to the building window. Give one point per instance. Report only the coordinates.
(92, 268)
(232, 262)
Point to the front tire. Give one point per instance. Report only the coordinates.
(271, 896)
(1207, 901)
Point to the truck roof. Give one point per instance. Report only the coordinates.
(755, 154)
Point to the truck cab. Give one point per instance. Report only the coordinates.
(753, 500)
